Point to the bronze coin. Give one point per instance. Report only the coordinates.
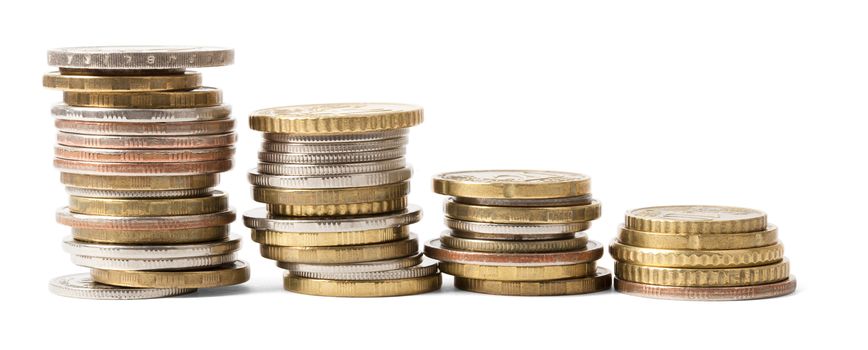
(435, 250)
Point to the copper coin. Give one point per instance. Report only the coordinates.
(435, 250)
(760, 291)
(143, 156)
(207, 127)
(146, 142)
(117, 168)
(151, 223)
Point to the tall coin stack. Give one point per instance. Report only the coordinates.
(139, 147)
(335, 184)
(699, 252)
(519, 232)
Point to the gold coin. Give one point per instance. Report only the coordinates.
(324, 210)
(695, 219)
(271, 195)
(139, 183)
(342, 254)
(212, 203)
(698, 259)
(518, 273)
(576, 241)
(127, 83)
(509, 215)
(201, 97)
(336, 118)
(512, 184)
(181, 236)
(644, 239)
(601, 281)
(225, 275)
(320, 239)
(715, 277)
(362, 288)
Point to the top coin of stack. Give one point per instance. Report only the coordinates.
(519, 232)
(335, 184)
(140, 146)
(700, 252)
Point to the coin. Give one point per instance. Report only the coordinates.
(591, 252)
(142, 169)
(500, 202)
(151, 223)
(216, 201)
(225, 275)
(259, 219)
(318, 239)
(368, 266)
(173, 128)
(330, 169)
(330, 181)
(697, 258)
(191, 263)
(143, 156)
(761, 291)
(146, 142)
(644, 239)
(381, 288)
(338, 147)
(512, 184)
(518, 273)
(331, 158)
(186, 81)
(511, 237)
(139, 183)
(426, 268)
(709, 277)
(349, 209)
(82, 286)
(523, 215)
(577, 241)
(695, 219)
(168, 251)
(342, 254)
(201, 97)
(599, 282)
(86, 192)
(139, 115)
(516, 231)
(164, 236)
(140, 57)
(338, 138)
(336, 118)
(330, 196)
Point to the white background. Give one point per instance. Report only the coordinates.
(747, 103)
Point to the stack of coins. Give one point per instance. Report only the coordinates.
(139, 147)
(699, 252)
(519, 232)
(335, 184)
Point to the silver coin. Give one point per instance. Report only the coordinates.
(98, 193)
(515, 229)
(342, 147)
(198, 262)
(552, 202)
(140, 57)
(331, 158)
(146, 142)
(132, 115)
(426, 268)
(330, 169)
(356, 137)
(370, 266)
(259, 219)
(168, 251)
(330, 181)
(83, 286)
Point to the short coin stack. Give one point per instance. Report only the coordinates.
(140, 146)
(519, 232)
(335, 184)
(699, 252)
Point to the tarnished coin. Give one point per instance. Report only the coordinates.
(331, 158)
(201, 97)
(115, 128)
(512, 184)
(139, 183)
(320, 239)
(362, 267)
(140, 57)
(142, 169)
(599, 282)
(426, 268)
(517, 231)
(143, 156)
(162, 251)
(379, 288)
(151, 223)
(259, 219)
(336, 118)
(695, 219)
(699, 259)
(158, 236)
(330, 169)
(82, 286)
(518, 273)
(339, 147)
(591, 252)
(128, 83)
(347, 209)
(146, 142)
(214, 202)
(220, 276)
(761, 291)
(576, 241)
(709, 277)
(330, 181)
(97, 193)
(136, 115)
(762, 238)
(198, 262)
(523, 215)
(368, 194)
(357, 137)
(342, 254)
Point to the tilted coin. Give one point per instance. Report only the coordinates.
(259, 219)
(336, 118)
(518, 273)
(318, 239)
(695, 219)
(342, 254)
(760, 291)
(82, 286)
(128, 83)
(150, 223)
(601, 281)
(348, 209)
(708, 277)
(140, 57)
(330, 169)
(644, 239)
(337, 138)
(688, 258)
(331, 158)
(198, 262)
(167, 251)
(138, 115)
(146, 142)
(119, 128)
(339, 147)
(517, 231)
(330, 181)
(591, 252)
(139, 183)
(380, 288)
(577, 241)
(368, 266)
(201, 97)
(512, 184)
(142, 169)
(426, 268)
(510, 215)
(143, 156)
(214, 202)
(501, 202)
(225, 275)
(159, 236)
(97, 193)
(330, 196)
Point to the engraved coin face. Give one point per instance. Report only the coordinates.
(696, 213)
(512, 176)
(140, 57)
(513, 185)
(336, 110)
(696, 219)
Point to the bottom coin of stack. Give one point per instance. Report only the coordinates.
(700, 253)
(362, 256)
